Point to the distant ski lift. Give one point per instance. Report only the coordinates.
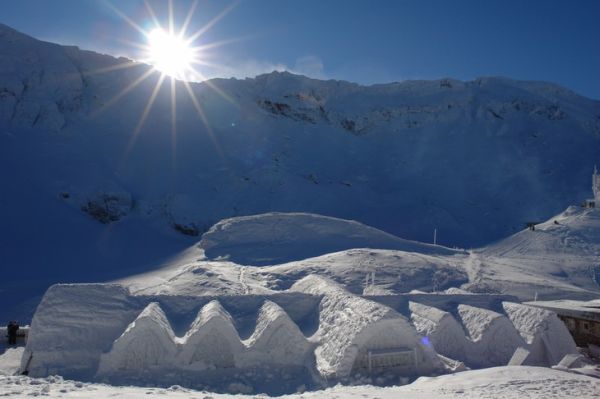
(589, 203)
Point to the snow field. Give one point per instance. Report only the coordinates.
(497, 383)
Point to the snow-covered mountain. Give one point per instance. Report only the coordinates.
(91, 194)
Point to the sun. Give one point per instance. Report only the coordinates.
(175, 56)
(169, 53)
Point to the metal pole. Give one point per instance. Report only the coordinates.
(434, 236)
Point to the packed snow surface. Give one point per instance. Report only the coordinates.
(497, 383)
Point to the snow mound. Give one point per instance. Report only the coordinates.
(353, 329)
(275, 238)
(441, 329)
(147, 343)
(212, 340)
(277, 339)
(546, 335)
(492, 339)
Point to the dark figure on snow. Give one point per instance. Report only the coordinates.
(12, 329)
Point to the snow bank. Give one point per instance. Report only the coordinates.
(492, 339)
(351, 327)
(441, 329)
(546, 335)
(277, 339)
(274, 238)
(212, 341)
(147, 343)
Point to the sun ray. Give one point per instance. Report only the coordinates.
(222, 43)
(125, 17)
(211, 23)
(152, 14)
(204, 119)
(123, 65)
(173, 120)
(123, 92)
(171, 18)
(137, 45)
(188, 19)
(213, 86)
(145, 114)
(171, 54)
(203, 62)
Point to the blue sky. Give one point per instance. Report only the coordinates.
(362, 41)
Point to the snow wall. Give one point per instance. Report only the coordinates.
(313, 334)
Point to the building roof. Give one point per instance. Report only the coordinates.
(588, 310)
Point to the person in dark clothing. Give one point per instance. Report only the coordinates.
(12, 329)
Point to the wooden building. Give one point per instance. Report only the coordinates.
(581, 318)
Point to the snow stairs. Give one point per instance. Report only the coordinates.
(212, 342)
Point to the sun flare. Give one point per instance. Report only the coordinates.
(176, 57)
(169, 53)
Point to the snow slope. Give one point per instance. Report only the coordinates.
(275, 238)
(554, 261)
(560, 255)
(93, 195)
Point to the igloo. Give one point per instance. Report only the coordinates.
(147, 343)
(547, 337)
(277, 339)
(359, 336)
(439, 328)
(491, 337)
(212, 341)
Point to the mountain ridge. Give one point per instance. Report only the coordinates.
(94, 193)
